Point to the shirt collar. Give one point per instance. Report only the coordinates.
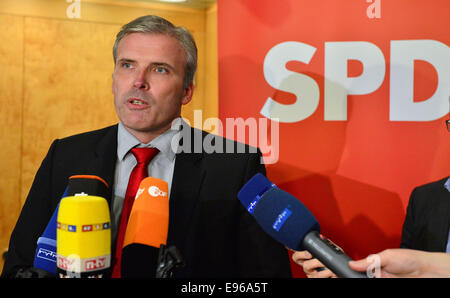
(447, 184)
(126, 141)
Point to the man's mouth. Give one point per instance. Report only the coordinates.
(137, 102)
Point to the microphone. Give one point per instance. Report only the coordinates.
(83, 237)
(45, 257)
(147, 229)
(288, 221)
(87, 185)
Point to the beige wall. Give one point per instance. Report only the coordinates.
(55, 80)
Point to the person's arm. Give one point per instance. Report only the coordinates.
(405, 263)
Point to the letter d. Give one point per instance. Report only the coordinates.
(402, 105)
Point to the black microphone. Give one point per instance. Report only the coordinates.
(288, 221)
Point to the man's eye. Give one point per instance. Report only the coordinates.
(126, 65)
(160, 70)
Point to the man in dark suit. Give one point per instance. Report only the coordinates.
(425, 244)
(427, 221)
(153, 77)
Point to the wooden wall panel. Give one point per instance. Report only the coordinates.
(211, 103)
(67, 85)
(11, 67)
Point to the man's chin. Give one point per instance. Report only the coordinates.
(139, 129)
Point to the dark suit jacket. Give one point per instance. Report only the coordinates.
(214, 233)
(427, 219)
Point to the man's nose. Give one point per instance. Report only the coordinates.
(141, 81)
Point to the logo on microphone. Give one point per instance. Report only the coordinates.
(281, 219)
(154, 191)
(251, 207)
(71, 264)
(95, 263)
(84, 228)
(46, 254)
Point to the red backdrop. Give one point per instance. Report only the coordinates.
(355, 165)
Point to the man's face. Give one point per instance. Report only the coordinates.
(148, 83)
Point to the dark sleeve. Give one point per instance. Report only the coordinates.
(259, 254)
(409, 229)
(32, 221)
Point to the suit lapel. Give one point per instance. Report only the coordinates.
(442, 216)
(103, 163)
(187, 180)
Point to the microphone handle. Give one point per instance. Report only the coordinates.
(332, 256)
(32, 272)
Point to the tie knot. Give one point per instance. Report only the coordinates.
(144, 155)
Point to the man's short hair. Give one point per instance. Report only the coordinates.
(157, 25)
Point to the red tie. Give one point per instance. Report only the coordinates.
(143, 157)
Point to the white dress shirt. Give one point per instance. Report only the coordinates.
(161, 166)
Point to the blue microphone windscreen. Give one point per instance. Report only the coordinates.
(45, 256)
(252, 191)
(285, 218)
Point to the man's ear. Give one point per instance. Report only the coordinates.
(188, 93)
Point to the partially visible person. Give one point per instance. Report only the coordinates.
(427, 221)
(406, 263)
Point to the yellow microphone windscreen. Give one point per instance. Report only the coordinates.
(83, 237)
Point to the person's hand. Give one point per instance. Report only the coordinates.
(404, 263)
(312, 267)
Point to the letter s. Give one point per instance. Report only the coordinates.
(302, 86)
